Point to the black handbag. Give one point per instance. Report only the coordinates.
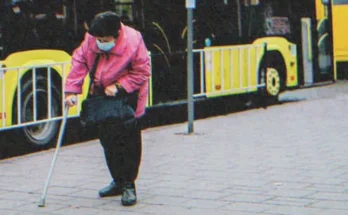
(96, 109)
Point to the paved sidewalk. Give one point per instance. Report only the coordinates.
(287, 159)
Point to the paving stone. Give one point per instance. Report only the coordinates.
(290, 193)
(19, 196)
(290, 201)
(246, 207)
(202, 203)
(331, 212)
(20, 212)
(116, 205)
(11, 204)
(329, 196)
(76, 211)
(332, 204)
(247, 198)
(112, 212)
(167, 210)
(33, 208)
(327, 188)
(290, 210)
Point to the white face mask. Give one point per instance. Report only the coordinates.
(107, 46)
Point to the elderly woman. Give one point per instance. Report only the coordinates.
(123, 67)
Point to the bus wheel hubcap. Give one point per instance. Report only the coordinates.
(272, 81)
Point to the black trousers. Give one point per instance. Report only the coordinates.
(122, 149)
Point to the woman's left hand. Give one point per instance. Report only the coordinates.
(111, 90)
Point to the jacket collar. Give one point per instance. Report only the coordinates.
(120, 43)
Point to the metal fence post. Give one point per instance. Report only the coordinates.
(190, 5)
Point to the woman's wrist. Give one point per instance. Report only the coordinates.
(118, 86)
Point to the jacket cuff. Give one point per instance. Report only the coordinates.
(73, 89)
(125, 84)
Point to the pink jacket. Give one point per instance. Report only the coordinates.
(129, 50)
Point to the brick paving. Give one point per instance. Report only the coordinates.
(287, 159)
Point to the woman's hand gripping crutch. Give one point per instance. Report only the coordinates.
(70, 100)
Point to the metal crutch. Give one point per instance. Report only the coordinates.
(59, 143)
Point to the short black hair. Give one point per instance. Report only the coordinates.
(105, 24)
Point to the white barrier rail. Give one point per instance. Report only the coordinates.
(37, 114)
(204, 56)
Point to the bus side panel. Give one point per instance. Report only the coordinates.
(9, 81)
(3, 113)
(340, 26)
(289, 54)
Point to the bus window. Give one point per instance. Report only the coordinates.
(125, 9)
(251, 2)
(267, 18)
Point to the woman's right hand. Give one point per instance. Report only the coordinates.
(70, 99)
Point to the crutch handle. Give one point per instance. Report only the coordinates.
(74, 99)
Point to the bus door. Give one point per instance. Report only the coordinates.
(339, 15)
(315, 41)
(323, 44)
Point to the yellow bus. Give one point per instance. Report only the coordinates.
(305, 41)
(241, 47)
(334, 14)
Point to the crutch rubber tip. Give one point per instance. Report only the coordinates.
(41, 204)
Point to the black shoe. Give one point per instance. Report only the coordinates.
(111, 190)
(129, 196)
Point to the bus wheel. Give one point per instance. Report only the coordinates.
(272, 80)
(42, 135)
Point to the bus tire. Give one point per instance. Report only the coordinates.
(272, 75)
(43, 135)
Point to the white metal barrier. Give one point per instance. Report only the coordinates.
(7, 75)
(248, 58)
(252, 60)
